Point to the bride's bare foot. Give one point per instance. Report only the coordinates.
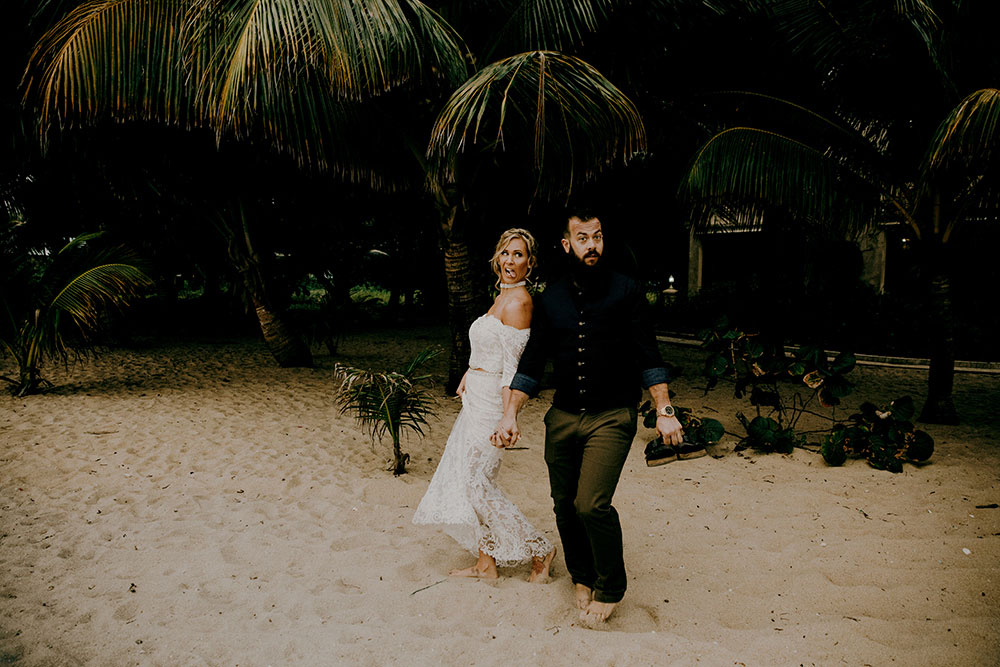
(540, 567)
(597, 613)
(583, 594)
(485, 568)
(475, 573)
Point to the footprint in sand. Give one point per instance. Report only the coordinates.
(341, 586)
(636, 618)
(209, 590)
(232, 555)
(126, 611)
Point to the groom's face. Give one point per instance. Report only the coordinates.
(584, 241)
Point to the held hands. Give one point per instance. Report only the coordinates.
(507, 433)
(670, 430)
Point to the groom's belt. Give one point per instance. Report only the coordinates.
(581, 407)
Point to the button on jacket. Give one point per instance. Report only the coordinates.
(600, 338)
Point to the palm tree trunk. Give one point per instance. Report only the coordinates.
(288, 348)
(28, 380)
(940, 406)
(458, 277)
(28, 361)
(399, 459)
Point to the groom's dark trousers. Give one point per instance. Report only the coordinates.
(585, 453)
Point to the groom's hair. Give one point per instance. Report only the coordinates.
(583, 214)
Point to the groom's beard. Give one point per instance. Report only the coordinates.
(582, 272)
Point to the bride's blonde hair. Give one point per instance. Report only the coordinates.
(505, 239)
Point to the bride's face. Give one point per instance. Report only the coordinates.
(514, 261)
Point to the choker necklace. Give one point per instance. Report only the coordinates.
(513, 285)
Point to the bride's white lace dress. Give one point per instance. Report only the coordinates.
(463, 498)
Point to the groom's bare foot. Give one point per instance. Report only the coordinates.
(540, 567)
(583, 596)
(597, 613)
(476, 572)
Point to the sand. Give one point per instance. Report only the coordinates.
(191, 504)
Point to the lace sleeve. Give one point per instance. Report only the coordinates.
(513, 341)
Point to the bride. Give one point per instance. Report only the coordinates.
(463, 497)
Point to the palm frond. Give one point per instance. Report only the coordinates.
(830, 34)
(858, 140)
(921, 16)
(443, 49)
(969, 136)
(963, 158)
(359, 142)
(79, 240)
(117, 58)
(422, 358)
(812, 27)
(46, 12)
(549, 25)
(861, 145)
(678, 14)
(748, 170)
(84, 297)
(78, 256)
(290, 71)
(302, 75)
(926, 24)
(556, 108)
(351, 50)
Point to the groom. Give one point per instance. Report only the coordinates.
(593, 324)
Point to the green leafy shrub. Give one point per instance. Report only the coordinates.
(774, 381)
(767, 435)
(786, 387)
(883, 435)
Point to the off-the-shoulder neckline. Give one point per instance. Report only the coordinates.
(501, 322)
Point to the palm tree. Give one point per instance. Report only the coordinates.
(310, 78)
(388, 402)
(52, 306)
(852, 167)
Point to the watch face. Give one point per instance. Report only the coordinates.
(667, 411)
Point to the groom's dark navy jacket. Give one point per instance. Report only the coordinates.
(598, 332)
